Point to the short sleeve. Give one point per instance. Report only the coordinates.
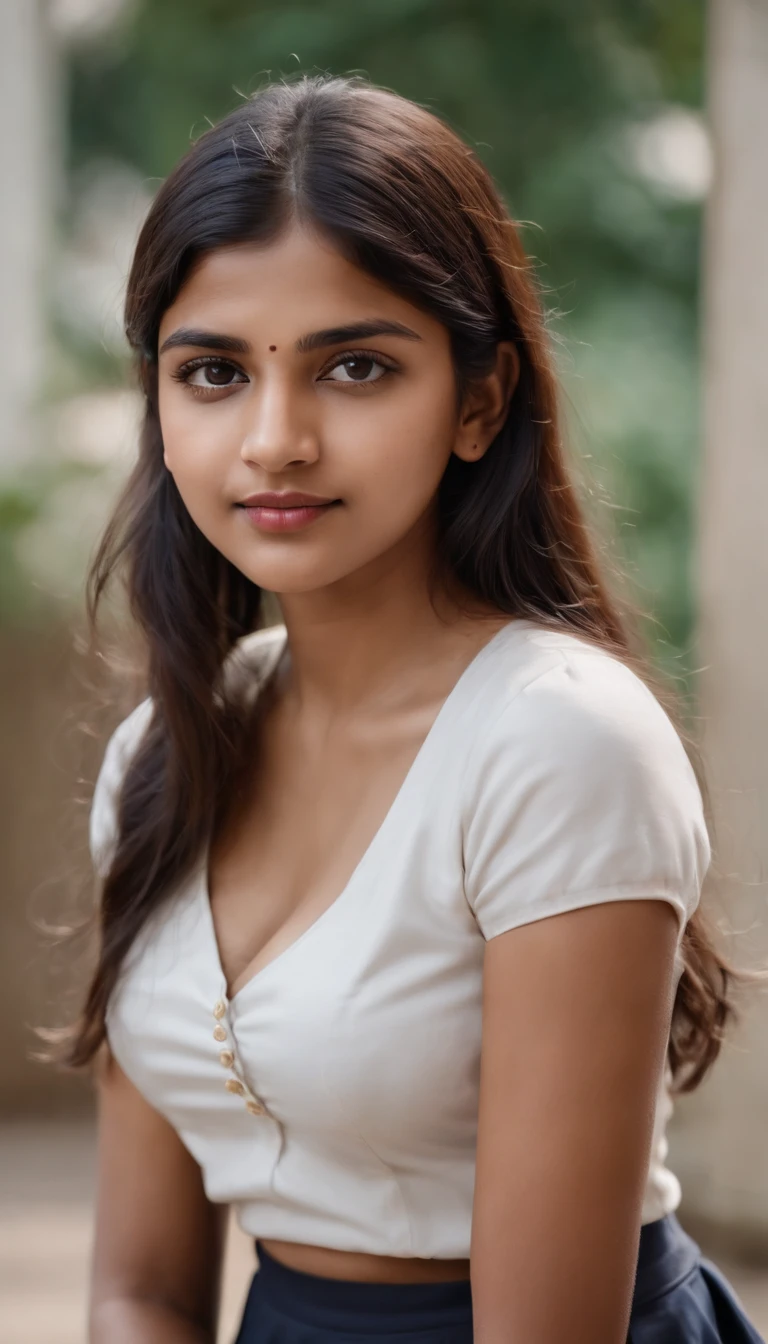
(581, 792)
(117, 754)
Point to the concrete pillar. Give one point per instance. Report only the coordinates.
(720, 1143)
(29, 171)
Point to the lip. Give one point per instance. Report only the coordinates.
(284, 499)
(289, 512)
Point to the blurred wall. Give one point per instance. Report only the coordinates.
(46, 691)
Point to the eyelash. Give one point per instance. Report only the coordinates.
(183, 374)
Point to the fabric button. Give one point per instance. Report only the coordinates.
(219, 1034)
(227, 1058)
(219, 1009)
(255, 1107)
(234, 1085)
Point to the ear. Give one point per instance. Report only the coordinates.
(486, 404)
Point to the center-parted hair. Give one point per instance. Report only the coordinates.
(401, 196)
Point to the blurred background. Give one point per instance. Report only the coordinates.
(630, 137)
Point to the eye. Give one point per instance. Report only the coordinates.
(216, 374)
(358, 367)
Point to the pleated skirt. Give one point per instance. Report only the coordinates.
(679, 1297)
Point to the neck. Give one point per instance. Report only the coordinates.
(351, 642)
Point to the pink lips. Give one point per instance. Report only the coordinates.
(288, 511)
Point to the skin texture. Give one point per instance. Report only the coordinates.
(370, 660)
(159, 1241)
(566, 1116)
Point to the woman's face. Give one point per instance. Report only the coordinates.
(265, 387)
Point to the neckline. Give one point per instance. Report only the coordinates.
(275, 651)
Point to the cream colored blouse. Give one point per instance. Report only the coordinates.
(333, 1099)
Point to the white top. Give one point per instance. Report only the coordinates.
(333, 1100)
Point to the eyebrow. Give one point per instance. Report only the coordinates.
(314, 340)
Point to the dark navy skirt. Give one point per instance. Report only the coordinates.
(679, 1298)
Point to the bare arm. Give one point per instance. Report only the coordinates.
(576, 1014)
(158, 1240)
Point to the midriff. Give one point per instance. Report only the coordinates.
(361, 1267)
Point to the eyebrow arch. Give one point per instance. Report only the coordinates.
(212, 340)
(315, 340)
(354, 331)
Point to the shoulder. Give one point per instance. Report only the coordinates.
(554, 695)
(120, 747)
(129, 732)
(578, 784)
(122, 743)
(245, 668)
(249, 660)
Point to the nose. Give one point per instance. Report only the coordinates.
(278, 434)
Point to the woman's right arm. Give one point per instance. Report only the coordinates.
(159, 1241)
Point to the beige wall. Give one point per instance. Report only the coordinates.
(47, 762)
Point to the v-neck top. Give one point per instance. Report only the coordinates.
(333, 1099)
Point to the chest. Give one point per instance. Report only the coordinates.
(314, 804)
(357, 1026)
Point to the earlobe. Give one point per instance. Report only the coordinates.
(471, 453)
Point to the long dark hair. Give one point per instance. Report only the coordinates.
(405, 199)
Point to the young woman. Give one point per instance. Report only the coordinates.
(400, 952)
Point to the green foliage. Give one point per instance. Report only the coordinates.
(544, 90)
(18, 509)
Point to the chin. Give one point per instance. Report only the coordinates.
(300, 578)
(290, 565)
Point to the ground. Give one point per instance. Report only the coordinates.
(46, 1192)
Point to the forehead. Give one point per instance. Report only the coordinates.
(279, 290)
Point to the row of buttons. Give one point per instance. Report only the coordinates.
(235, 1085)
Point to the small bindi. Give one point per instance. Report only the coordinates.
(273, 347)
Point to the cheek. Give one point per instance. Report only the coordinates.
(195, 443)
(177, 428)
(401, 444)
